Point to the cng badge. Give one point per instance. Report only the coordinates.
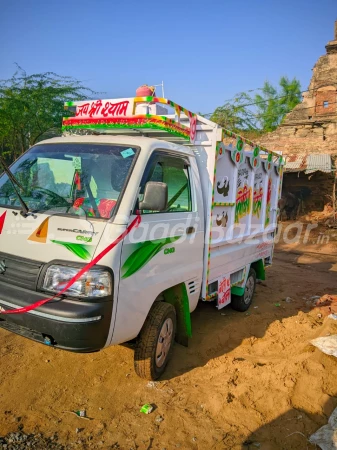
(167, 251)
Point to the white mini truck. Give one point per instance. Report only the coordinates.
(156, 206)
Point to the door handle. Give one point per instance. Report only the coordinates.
(190, 230)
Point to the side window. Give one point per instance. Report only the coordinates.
(157, 173)
(178, 184)
(175, 173)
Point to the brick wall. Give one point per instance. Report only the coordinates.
(326, 102)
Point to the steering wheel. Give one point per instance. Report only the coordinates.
(57, 198)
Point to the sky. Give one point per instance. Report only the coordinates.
(204, 51)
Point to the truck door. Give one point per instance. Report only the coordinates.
(167, 248)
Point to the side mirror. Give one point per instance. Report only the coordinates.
(155, 196)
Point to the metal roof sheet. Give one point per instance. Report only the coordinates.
(308, 163)
(319, 162)
(296, 163)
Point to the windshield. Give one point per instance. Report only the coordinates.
(70, 178)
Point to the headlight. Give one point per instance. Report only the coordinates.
(94, 283)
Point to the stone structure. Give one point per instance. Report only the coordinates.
(311, 127)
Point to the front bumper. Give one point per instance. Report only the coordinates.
(69, 324)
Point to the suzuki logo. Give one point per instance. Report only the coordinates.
(2, 267)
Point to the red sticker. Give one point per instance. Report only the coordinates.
(193, 128)
(2, 221)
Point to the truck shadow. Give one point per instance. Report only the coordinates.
(288, 290)
(290, 430)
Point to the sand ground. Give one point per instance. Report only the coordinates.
(246, 381)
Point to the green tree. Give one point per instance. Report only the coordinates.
(31, 108)
(253, 116)
(273, 104)
(236, 116)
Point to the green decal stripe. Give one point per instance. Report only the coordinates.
(140, 257)
(80, 250)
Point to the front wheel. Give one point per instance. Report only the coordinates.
(155, 341)
(243, 302)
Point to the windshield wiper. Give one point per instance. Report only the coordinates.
(25, 210)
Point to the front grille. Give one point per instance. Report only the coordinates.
(23, 331)
(19, 271)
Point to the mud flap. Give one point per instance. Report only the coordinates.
(237, 290)
(177, 296)
(259, 268)
(224, 291)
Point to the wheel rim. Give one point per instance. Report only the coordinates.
(249, 290)
(164, 342)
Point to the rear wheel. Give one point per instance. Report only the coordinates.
(155, 342)
(243, 302)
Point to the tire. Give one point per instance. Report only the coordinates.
(151, 355)
(243, 302)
